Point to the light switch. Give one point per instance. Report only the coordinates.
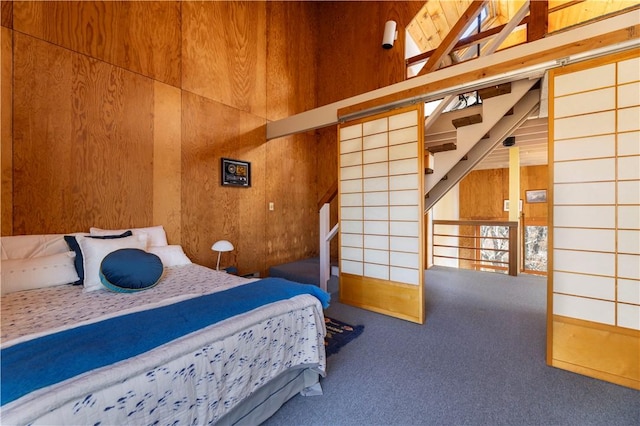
(271, 206)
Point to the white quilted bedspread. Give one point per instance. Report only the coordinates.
(193, 380)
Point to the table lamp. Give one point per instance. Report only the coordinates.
(220, 246)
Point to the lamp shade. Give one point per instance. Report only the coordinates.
(222, 245)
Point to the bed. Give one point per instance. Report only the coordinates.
(198, 347)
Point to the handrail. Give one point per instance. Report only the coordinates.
(475, 247)
(477, 222)
(326, 233)
(328, 196)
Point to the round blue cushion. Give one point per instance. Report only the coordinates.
(128, 270)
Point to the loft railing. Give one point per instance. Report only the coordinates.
(477, 244)
(326, 233)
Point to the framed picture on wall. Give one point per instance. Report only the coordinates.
(235, 172)
(505, 205)
(536, 196)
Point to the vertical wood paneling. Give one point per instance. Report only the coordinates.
(167, 162)
(118, 150)
(211, 212)
(532, 178)
(143, 37)
(482, 193)
(293, 163)
(293, 227)
(224, 51)
(291, 69)
(7, 13)
(83, 143)
(6, 147)
(351, 59)
(43, 114)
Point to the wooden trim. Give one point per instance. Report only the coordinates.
(564, 6)
(422, 222)
(597, 350)
(328, 196)
(490, 69)
(469, 259)
(468, 248)
(510, 224)
(476, 38)
(550, 54)
(398, 300)
(539, 23)
(550, 204)
(405, 301)
(602, 351)
(581, 66)
(452, 36)
(477, 237)
(513, 251)
(465, 42)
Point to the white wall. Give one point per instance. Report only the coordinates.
(448, 208)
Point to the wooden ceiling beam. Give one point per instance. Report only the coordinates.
(611, 31)
(453, 36)
(539, 20)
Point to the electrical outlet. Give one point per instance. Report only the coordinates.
(271, 206)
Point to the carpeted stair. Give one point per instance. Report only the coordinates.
(306, 271)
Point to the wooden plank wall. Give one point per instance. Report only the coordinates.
(351, 58)
(482, 194)
(6, 151)
(122, 111)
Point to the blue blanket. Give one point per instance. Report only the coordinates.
(50, 359)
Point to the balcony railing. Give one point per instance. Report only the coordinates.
(476, 244)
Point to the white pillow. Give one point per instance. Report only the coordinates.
(157, 236)
(172, 255)
(38, 272)
(30, 246)
(95, 250)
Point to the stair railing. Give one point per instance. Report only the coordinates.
(326, 233)
(464, 236)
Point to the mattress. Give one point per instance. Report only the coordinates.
(198, 378)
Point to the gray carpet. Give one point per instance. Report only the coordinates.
(478, 360)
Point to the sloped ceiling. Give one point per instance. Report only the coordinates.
(436, 18)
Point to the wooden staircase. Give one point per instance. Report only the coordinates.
(475, 131)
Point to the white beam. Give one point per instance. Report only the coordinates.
(327, 115)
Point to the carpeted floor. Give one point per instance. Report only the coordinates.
(478, 360)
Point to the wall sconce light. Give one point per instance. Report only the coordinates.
(220, 246)
(390, 34)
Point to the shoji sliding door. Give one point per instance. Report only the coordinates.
(381, 213)
(594, 270)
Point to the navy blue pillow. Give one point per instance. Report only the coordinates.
(78, 261)
(129, 270)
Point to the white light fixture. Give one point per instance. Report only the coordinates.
(390, 34)
(220, 246)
